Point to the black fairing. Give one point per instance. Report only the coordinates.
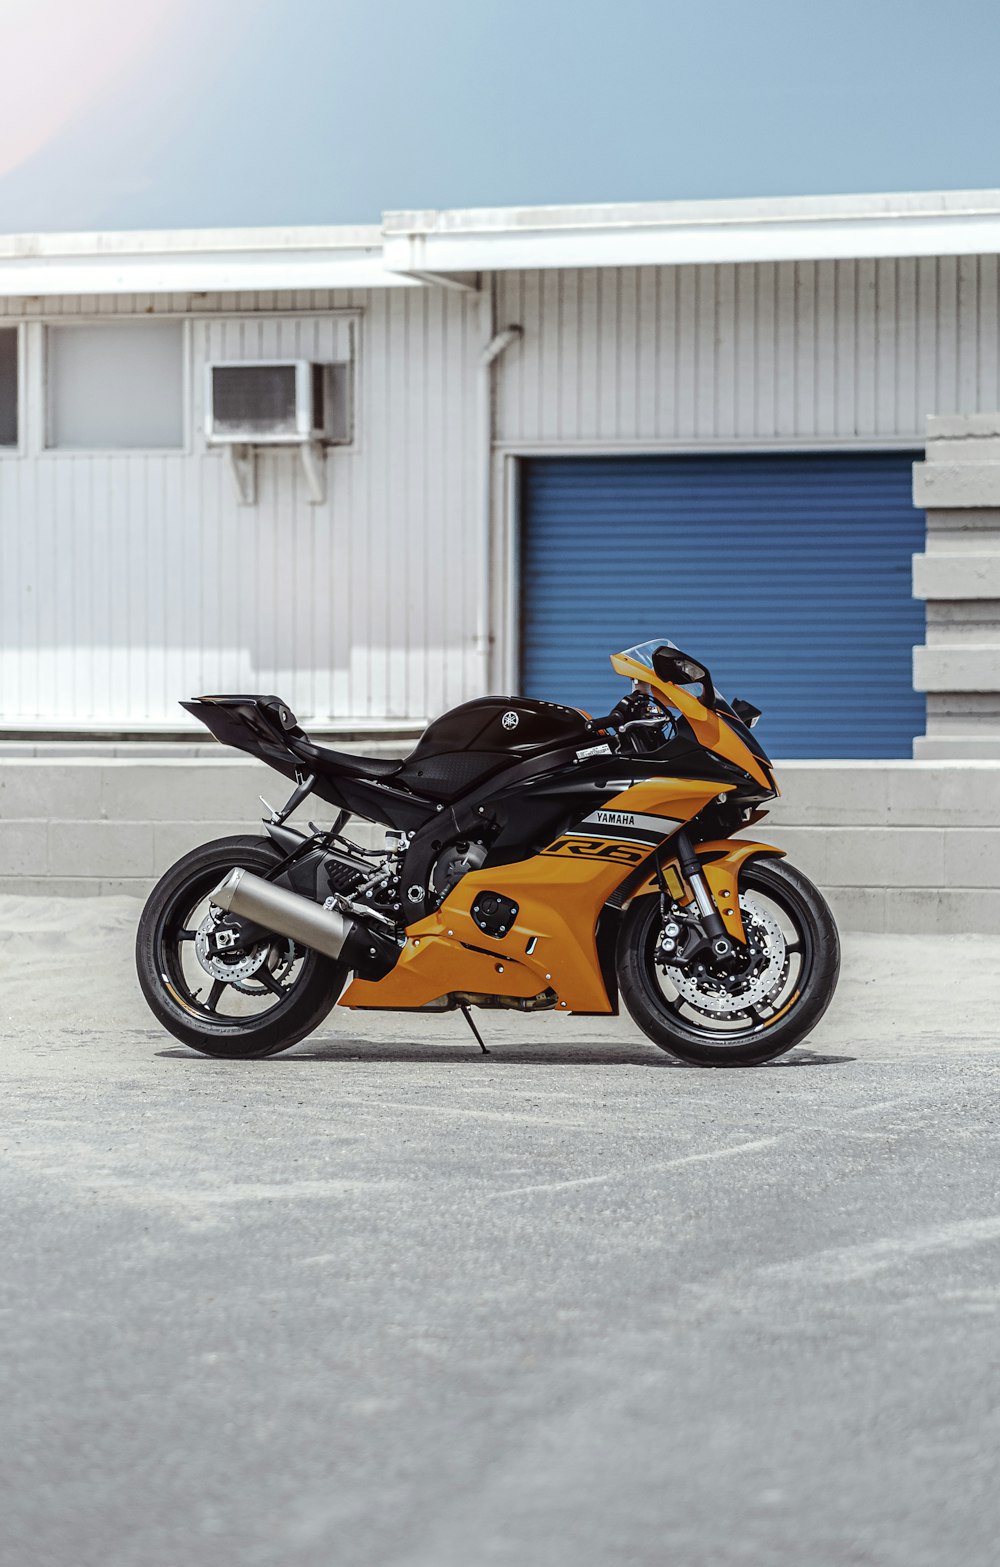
(265, 727)
(459, 753)
(259, 725)
(479, 739)
(512, 786)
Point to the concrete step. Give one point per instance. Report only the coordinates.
(897, 846)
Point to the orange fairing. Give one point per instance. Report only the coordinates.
(559, 893)
(710, 728)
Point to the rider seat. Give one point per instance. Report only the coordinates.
(367, 768)
(324, 757)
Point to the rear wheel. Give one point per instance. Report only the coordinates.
(751, 1011)
(243, 1000)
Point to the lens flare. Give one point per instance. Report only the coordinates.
(60, 55)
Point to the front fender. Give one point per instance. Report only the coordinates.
(722, 860)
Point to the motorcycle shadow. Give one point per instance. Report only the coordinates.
(504, 1054)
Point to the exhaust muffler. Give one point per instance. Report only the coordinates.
(286, 913)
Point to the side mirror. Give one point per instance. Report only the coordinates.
(745, 711)
(671, 664)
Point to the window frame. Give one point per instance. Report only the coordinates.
(20, 446)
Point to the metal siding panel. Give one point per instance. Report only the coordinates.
(551, 288)
(825, 369)
(940, 354)
(927, 330)
(765, 350)
(608, 339)
(986, 391)
(129, 582)
(464, 674)
(587, 420)
(646, 352)
(665, 326)
(797, 352)
(886, 348)
(845, 348)
(968, 332)
(566, 358)
(705, 369)
(725, 373)
(509, 411)
(789, 575)
(627, 353)
(786, 348)
(905, 363)
(805, 410)
(686, 350)
(947, 345)
(531, 320)
(866, 341)
(418, 596)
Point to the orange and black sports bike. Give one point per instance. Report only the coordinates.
(533, 858)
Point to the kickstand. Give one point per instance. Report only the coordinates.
(479, 1038)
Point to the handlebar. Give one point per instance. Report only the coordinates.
(632, 714)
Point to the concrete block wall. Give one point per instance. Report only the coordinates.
(91, 825)
(896, 846)
(113, 819)
(958, 485)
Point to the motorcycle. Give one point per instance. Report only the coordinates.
(534, 858)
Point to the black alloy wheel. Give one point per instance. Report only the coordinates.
(244, 1001)
(710, 1017)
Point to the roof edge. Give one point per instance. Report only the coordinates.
(695, 233)
(165, 242)
(454, 247)
(729, 210)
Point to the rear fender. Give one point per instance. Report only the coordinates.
(722, 860)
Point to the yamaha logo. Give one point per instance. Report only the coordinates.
(509, 720)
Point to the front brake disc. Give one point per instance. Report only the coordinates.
(716, 999)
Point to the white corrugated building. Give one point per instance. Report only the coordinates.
(544, 432)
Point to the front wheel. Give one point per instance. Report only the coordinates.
(248, 999)
(757, 1008)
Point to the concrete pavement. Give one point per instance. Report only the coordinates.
(387, 1303)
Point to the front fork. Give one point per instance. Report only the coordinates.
(711, 920)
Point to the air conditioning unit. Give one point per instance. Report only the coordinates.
(277, 402)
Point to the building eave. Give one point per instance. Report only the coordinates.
(195, 261)
(452, 249)
(695, 232)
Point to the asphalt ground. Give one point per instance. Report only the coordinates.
(386, 1301)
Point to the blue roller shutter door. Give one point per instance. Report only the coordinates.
(788, 575)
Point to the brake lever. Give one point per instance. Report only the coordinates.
(643, 723)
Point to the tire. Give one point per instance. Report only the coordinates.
(169, 968)
(810, 975)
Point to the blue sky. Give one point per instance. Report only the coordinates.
(331, 111)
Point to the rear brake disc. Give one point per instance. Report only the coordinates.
(241, 966)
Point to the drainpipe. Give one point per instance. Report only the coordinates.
(497, 345)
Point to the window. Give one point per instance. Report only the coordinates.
(116, 386)
(8, 386)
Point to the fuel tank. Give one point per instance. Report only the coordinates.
(467, 744)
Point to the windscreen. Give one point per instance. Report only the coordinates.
(664, 659)
(643, 652)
